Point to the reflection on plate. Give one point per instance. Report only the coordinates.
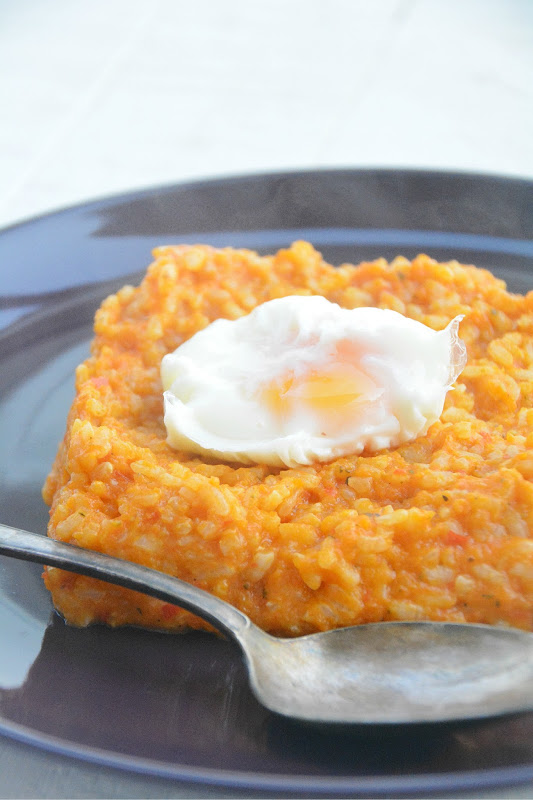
(180, 705)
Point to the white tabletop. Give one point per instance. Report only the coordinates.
(109, 95)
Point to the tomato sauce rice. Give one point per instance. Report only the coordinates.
(440, 528)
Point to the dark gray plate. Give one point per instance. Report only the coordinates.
(180, 706)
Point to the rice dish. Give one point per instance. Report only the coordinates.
(439, 528)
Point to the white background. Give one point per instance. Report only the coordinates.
(100, 96)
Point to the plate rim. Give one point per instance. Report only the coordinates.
(190, 183)
(248, 779)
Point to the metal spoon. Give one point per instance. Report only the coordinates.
(384, 673)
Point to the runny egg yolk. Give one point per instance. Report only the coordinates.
(329, 393)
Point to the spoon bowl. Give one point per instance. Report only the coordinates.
(386, 673)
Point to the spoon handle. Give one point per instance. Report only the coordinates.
(43, 550)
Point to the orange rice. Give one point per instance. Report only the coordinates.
(440, 528)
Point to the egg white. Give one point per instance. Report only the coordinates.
(221, 386)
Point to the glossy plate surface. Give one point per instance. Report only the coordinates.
(180, 706)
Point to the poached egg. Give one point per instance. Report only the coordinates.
(301, 380)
